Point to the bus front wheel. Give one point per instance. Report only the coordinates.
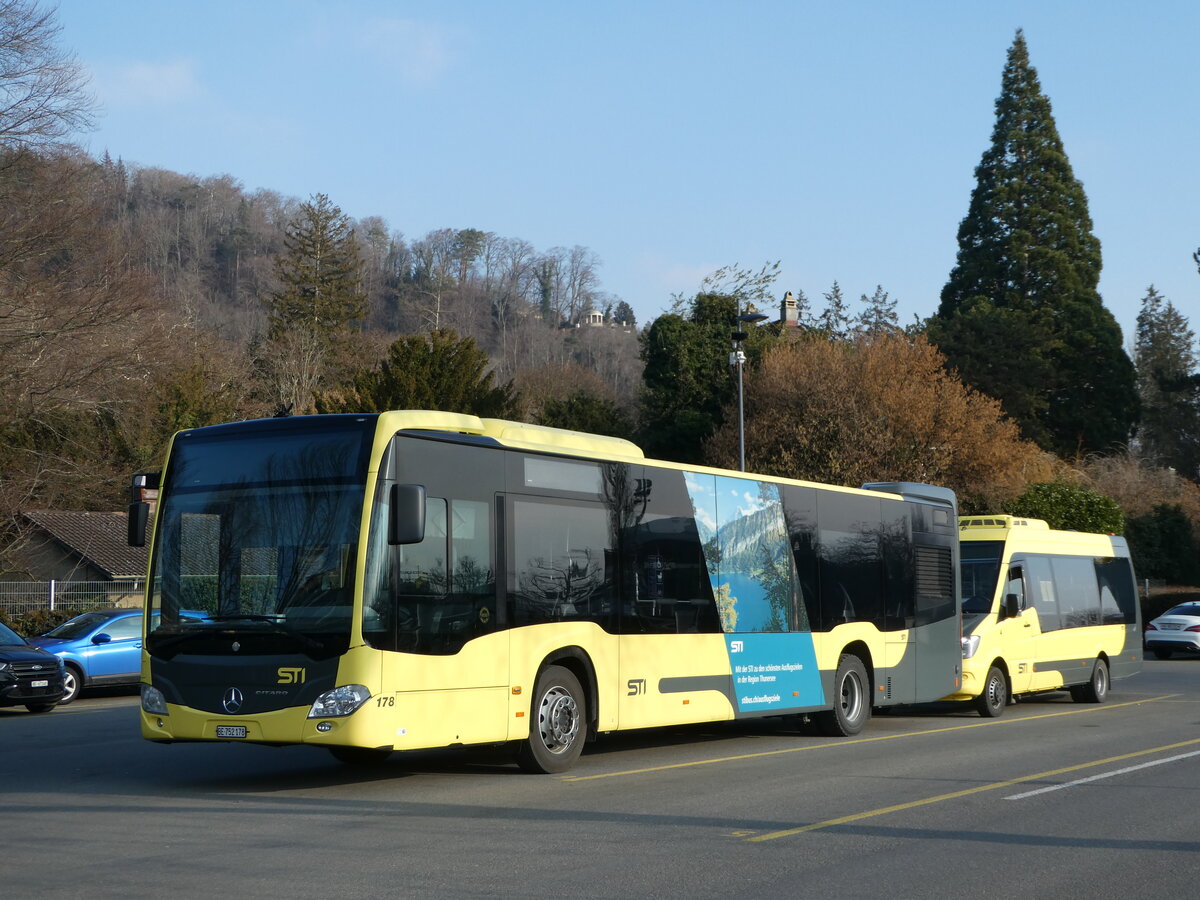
(558, 725)
(992, 701)
(1096, 690)
(851, 700)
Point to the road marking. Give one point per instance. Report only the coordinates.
(954, 795)
(868, 740)
(1059, 787)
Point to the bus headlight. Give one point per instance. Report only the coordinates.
(341, 701)
(153, 701)
(970, 645)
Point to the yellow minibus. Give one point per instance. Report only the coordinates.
(1044, 610)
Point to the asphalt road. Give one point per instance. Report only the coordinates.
(1054, 799)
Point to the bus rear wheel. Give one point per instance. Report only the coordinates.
(1096, 690)
(558, 725)
(994, 698)
(851, 700)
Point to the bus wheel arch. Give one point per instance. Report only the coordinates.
(851, 695)
(996, 691)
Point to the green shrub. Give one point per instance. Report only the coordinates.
(1069, 508)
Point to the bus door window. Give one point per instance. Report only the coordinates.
(563, 561)
(433, 596)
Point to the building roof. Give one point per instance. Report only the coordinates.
(100, 538)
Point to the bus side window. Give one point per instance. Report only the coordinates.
(1043, 592)
(667, 588)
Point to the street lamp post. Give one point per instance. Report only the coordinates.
(737, 359)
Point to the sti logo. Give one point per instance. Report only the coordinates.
(736, 646)
(290, 675)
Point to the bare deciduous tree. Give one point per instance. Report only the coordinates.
(42, 87)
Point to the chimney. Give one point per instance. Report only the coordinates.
(789, 313)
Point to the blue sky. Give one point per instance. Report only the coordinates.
(669, 138)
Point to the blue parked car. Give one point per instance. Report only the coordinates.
(99, 648)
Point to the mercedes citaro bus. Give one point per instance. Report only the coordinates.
(405, 580)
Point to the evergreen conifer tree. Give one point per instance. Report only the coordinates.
(1166, 377)
(879, 315)
(1021, 318)
(835, 319)
(438, 370)
(320, 273)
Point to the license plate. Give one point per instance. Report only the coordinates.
(42, 683)
(231, 731)
(1169, 627)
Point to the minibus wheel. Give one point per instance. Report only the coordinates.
(994, 698)
(1096, 690)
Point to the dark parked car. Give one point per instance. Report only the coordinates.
(99, 648)
(29, 676)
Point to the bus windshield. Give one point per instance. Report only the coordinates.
(980, 570)
(258, 531)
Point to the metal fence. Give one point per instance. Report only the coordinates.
(18, 597)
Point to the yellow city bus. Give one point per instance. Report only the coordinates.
(1044, 610)
(407, 580)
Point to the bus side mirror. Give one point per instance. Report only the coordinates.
(143, 491)
(406, 522)
(139, 517)
(1012, 607)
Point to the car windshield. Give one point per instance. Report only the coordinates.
(77, 627)
(1184, 609)
(9, 638)
(258, 531)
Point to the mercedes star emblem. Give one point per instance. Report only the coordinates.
(233, 700)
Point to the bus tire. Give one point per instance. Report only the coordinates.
(994, 698)
(1096, 690)
(558, 723)
(851, 700)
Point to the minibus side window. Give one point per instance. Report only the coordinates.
(1043, 593)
